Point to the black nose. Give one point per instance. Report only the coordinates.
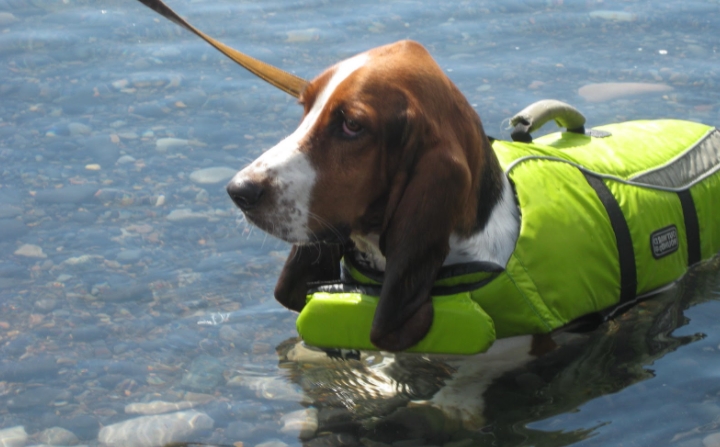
(245, 194)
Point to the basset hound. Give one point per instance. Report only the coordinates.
(390, 165)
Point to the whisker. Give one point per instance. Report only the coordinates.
(317, 260)
(293, 255)
(326, 224)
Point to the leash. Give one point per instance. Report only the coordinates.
(281, 79)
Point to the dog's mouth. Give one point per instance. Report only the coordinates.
(282, 226)
(274, 227)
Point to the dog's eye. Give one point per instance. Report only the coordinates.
(351, 128)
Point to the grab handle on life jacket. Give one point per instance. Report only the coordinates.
(534, 116)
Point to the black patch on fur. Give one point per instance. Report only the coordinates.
(490, 189)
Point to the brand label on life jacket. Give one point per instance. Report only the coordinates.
(664, 241)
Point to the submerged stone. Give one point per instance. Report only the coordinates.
(272, 443)
(33, 399)
(615, 16)
(211, 176)
(68, 194)
(13, 437)
(301, 423)
(607, 91)
(270, 388)
(131, 293)
(30, 251)
(711, 440)
(155, 431)
(58, 436)
(76, 129)
(185, 216)
(157, 407)
(27, 370)
(7, 18)
(163, 144)
(204, 374)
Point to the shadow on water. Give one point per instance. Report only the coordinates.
(383, 399)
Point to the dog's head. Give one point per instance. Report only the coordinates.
(387, 146)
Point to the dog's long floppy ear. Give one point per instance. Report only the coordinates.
(427, 194)
(306, 263)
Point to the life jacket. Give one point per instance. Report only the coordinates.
(605, 220)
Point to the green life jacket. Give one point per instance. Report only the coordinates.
(604, 221)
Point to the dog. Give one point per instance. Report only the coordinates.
(391, 169)
(391, 166)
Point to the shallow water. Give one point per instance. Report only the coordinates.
(124, 280)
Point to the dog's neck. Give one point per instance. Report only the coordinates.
(494, 243)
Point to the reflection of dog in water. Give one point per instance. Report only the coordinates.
(410, 396)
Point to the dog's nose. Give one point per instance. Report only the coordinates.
(245, 194)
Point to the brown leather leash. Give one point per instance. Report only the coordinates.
(279, 78)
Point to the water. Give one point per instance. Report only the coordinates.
(124, 281)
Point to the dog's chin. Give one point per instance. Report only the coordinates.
(274, 228)
(336, 234)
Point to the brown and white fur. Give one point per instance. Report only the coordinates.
(391, 165)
